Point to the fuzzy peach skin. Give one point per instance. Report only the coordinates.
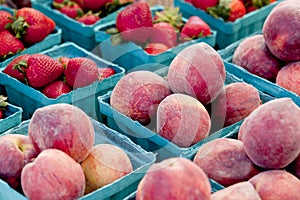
(281, 30)
(182, 119)
(198, 71)
(53, 175)
(289, 77)
(16, 151)
(235, 103)
(105, 164)
(276, 185)
(138, 94)
(174, 178)
(225, 161)
(62, 126)
(243, 190)
(271, 134)
(254, 55)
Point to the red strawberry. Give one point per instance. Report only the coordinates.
(69, 8)
(164, 33)
(105, 72)
(93, 5)
(204, 4)
(194, 28)
(56, 89)
(32, 25)
(155, 48)
(42, 70)
(134, 21)
(5, 19)
(229, 10)
(81, 72)
(17, 67)
(10, 45)
(89, 18)
(3, 105)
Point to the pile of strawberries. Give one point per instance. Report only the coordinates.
(229, 10)
(88, 11)
(54, 77)
(159, 33)
(3, 106)
(26, 27)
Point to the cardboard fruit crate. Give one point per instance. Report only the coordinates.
(85, 98)
(12, 118)
(229, 32)
(262, 84)
(141, 160)
(132, 56)
(150, 140)
(72, 30)
(52, 39)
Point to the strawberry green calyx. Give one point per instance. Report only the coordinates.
(19, 26)
(221, 10)
(20, 66)
(260, 3)
(3, 102)
(170, 15)
(114, 5)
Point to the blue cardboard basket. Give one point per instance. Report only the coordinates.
(30, 99)
(151, 141)
(132, 57)
(141, 160)
(229, 32)
(12, 118)
(73, 31)
(262, 84)
(52, 39)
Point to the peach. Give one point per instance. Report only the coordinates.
(253, 55)
(237, 101)
(16, 151)
(198, 71)
(289, 77)
(53, 175)
(105, 164)
(242, 190)
(182, 119)
(225, 161)
(174, 178)
(279, 35)
(276, 185)
(138, 94)
(62, 126)
(271, 134)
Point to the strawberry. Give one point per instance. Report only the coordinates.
(171, 15)
(89, 18)
(261, 3)
(42, 70)
(194, 28)
(105, 72)
(31, 25)
(5, 19)
(81, 72)
(229, 10)
(56, 89)
(93, 5)
(155, 48)
(164, 33)
(10, 45)
(133, 22)
(3, 105)
(17, 67)
(204, 4)
(69, 8)
(64, 61)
